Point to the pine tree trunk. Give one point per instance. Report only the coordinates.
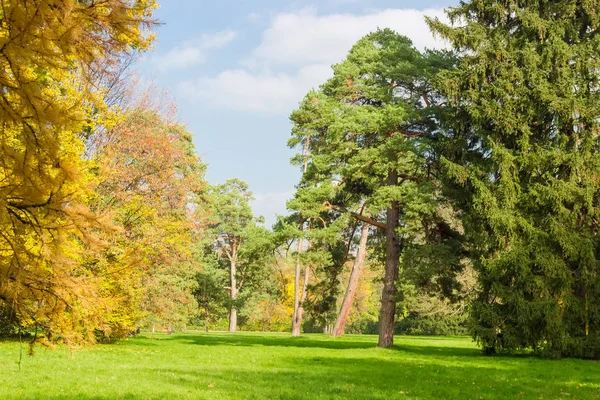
(297, 316)
(298, 320)
(234, 289)
(342, 317)
(388, 295)
(295, 325)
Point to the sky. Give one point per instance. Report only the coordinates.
(237, 69)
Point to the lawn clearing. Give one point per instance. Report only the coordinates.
(276, 366)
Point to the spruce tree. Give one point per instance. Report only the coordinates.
(522, 164)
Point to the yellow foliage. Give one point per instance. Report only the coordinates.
(51, 55)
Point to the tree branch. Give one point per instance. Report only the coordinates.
(358, 216)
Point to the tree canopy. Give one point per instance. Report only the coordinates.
(522, 164)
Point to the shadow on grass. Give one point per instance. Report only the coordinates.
(310, 377)
(325, 342)
(242, 339)
(429, 375)
(203, 366)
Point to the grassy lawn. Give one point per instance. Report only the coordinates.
(275, 366)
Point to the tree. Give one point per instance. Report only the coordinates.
(238, 239)
(152, 184)
(50, 52)
(209, 293)
(367, 131)
(352, 286)
(522, 163)
(321, 249)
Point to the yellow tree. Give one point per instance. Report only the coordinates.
(152, 183)
(50, 53)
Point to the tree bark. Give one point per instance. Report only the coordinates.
(206, 315)
(298, 320)
(234, 289)
(388, 295)
(232, 319)
(297, 317)
(295, 326)
(359, 261)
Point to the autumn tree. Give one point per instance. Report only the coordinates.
(152, 183)
(50, 52)
(522, 163)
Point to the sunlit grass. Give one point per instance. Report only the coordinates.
(275, 366)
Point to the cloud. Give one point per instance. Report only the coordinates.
(270, 204)
(192, 52)
(254, 17)
(295, 54)
(305, 37)
(269, 93)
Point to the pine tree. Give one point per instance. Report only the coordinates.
(522, 163)
(366, 131)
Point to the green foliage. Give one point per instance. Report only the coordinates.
(367, 140)
(415, 324)
(210, 295)
(522, 163)
(237, 244)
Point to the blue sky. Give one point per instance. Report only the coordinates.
(238, 68)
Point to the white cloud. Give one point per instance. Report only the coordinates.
(271, 93)
(254, 17)
(192, 52)
(271, 204)
(305, 37)
(295, 55)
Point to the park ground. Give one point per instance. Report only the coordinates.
(275, 366)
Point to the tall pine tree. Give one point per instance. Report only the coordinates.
(367, 131)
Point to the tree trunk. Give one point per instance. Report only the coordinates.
(297, 316)
(359, 261)
(206, 315)
(234, 289)
(298, 320)
(295, 326)
(232, 319)
(388, 295)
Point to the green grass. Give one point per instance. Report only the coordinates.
(275, 366)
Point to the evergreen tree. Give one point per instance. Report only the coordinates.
(367, 131)
(522, 163)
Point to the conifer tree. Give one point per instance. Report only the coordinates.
(523, 165)
(366, 130)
